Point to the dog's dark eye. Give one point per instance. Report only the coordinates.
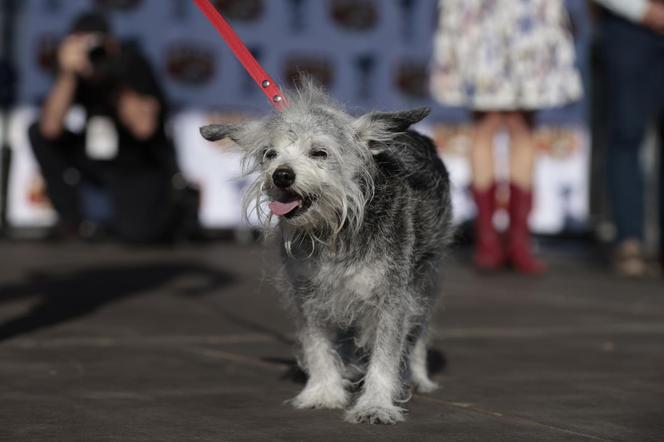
(270, 154)
(318, 153)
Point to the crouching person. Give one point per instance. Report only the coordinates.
(120, 171)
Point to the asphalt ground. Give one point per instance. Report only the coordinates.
(105, 342)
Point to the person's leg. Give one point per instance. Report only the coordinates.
(56, 162)
(522, 161)
(628, 56)
(660, 203)
(142, 197)
(522, 149)
(660, 128)
(485, 127)
(488, 249)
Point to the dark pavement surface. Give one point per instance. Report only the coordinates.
(107, 342)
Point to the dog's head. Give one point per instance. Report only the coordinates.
(314, 161)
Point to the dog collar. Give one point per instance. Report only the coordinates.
(244, 56)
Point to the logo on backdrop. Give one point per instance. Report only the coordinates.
(297, 21)
(411, 78)
(354, 15)
(119, 5)
(365, 65)
(180, 10)
(52, 6)
(407, 19)
(240, 10)
(319, 68)
(189, 63)
(46, 52)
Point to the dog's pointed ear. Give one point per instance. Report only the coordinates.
(216, 132)
(399, 121)
(377, 128)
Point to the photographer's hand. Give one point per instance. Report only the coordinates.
(73, 55)
(72, 62)
(654, 17)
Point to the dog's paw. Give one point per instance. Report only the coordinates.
(425, 386)
(321, 396)
(375, 414)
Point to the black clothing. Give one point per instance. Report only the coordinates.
(141, 194)
(139, 180)
(632, 59)
(129, 71)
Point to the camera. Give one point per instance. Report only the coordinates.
(97, 52)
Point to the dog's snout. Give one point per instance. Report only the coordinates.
(283, 177)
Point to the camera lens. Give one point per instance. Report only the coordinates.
(97, 54)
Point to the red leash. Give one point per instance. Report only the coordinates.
(262, 79)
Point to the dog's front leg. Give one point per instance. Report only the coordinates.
(382, 382)
(325, 386)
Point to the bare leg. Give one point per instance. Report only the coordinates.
(382, 383)
(481, 154)
(522, 149)
(522, 160)
(489, 253)
(325, 386)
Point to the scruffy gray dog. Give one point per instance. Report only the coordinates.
(364, 213)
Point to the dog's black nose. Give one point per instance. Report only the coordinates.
(283, 177)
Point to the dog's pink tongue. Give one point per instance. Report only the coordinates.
(280, 209)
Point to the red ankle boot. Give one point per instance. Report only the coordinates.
(489, 253)
(519, 251)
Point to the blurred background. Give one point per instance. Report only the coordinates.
(368, 54)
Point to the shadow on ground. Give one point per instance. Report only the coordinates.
(66, 296)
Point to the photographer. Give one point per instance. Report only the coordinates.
(123, 151)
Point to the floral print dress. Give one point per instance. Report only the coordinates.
(504, 55)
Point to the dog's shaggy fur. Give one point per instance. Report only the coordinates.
(365, 214)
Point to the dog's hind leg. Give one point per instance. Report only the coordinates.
(382, 383)
(428, 287)
(418, 366)
(325, 386)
